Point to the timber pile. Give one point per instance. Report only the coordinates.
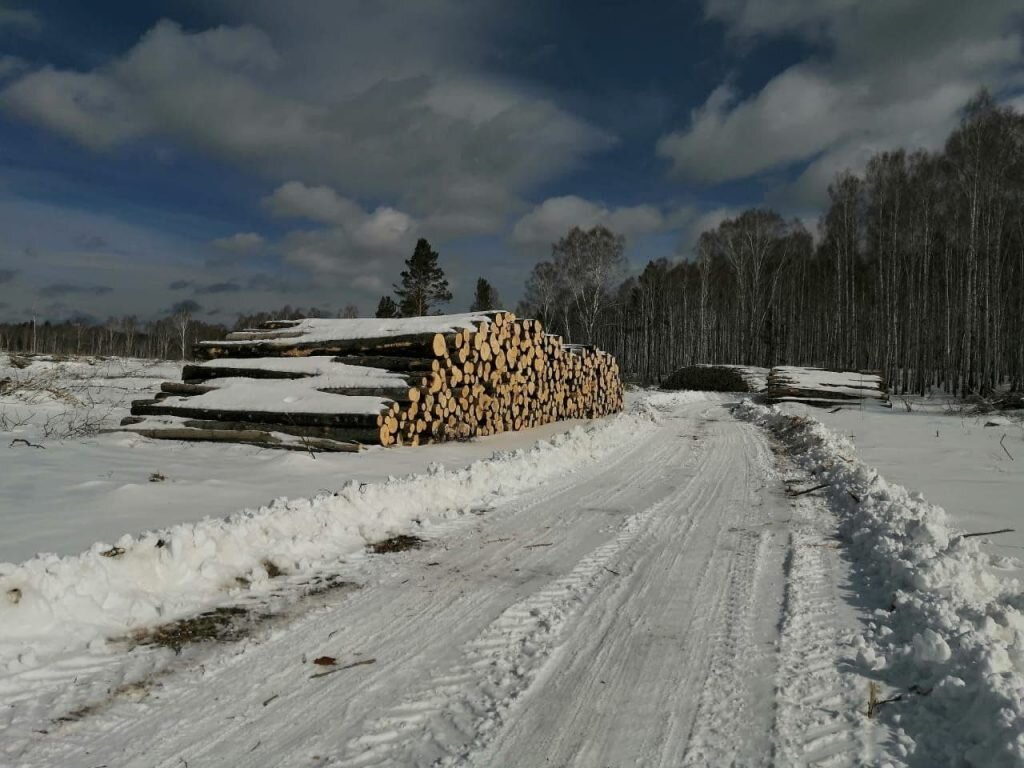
(336, 384)
(817, 386)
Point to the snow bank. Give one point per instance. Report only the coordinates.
(53, 605)
(950, 639)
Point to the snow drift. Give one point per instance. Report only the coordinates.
(946, 635)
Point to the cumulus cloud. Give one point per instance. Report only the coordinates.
(241, 242)
(550, 220)
(409, 133)
(889, 75)
(354, 242)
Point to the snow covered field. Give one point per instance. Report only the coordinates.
(648, 589)
(954, 460)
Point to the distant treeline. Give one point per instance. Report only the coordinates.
(918, 272)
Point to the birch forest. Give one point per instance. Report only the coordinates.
(916, 271)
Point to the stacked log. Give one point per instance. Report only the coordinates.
(395, 382)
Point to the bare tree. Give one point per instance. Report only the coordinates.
(591, 260)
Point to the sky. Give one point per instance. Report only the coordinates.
(240, 155)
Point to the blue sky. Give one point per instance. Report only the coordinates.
(244, 154)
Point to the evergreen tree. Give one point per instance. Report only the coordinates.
(387, 307)
(423, 282)
(485, 298)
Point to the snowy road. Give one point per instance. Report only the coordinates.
(670, 606)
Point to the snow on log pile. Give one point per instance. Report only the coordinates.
(333, 385)
(817, 386)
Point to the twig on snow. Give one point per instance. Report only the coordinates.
(808, 490)
(534, 546)
(341, 669)
(1004, 447)
(988, 533)
(23, 441)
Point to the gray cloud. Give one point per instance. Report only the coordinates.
(7, 275)
(67, 289)
(399, 129)
(894, 75)
(20, 19)
(242, 242)
(179, 285)
(218, 288)
(11, 65)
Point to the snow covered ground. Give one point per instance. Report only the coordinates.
(953, 459)
(78, 490)
(648, 589)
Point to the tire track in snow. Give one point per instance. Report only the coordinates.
(461, 706)
(819, 720)
(622, 688)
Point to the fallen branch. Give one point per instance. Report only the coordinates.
(1004, 447)
(534, 546)
(341, 669)
(988, 533)
(808, 490)
(23, 441)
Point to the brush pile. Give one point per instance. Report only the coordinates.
(333, 385)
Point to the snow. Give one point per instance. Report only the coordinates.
(289, 395)
(324, 330)
(841, 383)
(64, 605)
(951, 634)
(84, 488)
(953, 459)
(639, 590)
(314, 365)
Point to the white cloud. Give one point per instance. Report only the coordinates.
(550, 220)
(241, 242)
(889, 74)
(355, 243)
(411, 132)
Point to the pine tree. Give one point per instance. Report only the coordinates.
(423, 282)
(485, 298)
(387, 307)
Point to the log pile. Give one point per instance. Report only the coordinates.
(824, 388)
(337, 384)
